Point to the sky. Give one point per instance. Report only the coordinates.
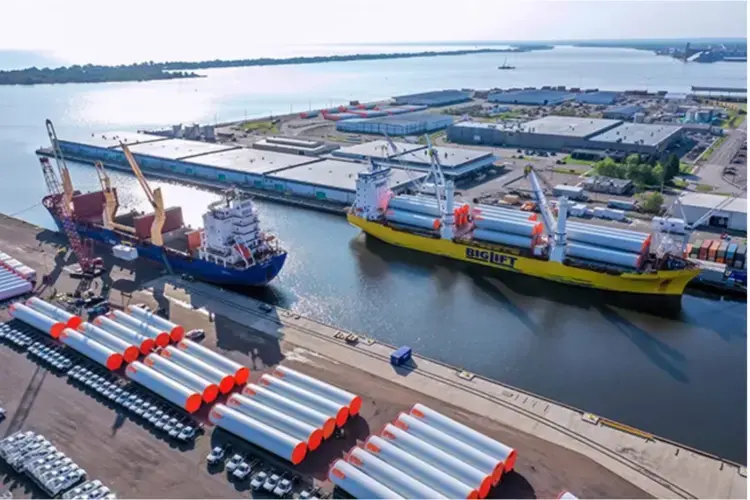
(135, 30)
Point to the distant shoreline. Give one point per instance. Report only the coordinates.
(171, 70)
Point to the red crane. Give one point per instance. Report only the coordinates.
(61, 204)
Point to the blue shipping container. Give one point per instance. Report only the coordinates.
(401, 356)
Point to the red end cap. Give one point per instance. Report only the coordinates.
(162, 340)
(193, 403)
(177, 334)
(241, 375)
(298, 454)
(210, 393)
(355, 405)
(74, 322)
(316, 437)
(342, 416)
(130, 354)
(114, 362)
(226, 384)
(510, 462)
(485, 487)
(147, 346)
(497, 473)
(56, 329)
(329, 427)
(473, 495)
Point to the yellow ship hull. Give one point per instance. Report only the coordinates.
(662, 283)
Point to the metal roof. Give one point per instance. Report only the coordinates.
(433, 98)
(449, 157)
(709, 201)
(638, 133)
(376, 149)
(531, 96)
(337, 174)
(628, 110)
(602, 97)
(112, 139)
(254, 161)
(177, 149)
(569, 126)
(404, 119)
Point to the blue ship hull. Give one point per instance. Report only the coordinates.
(257, 275)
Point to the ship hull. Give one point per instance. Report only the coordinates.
(255, 276)
(660, 283)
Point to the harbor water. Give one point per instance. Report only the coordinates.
(681, 376)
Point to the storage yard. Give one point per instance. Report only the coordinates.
(147, 464)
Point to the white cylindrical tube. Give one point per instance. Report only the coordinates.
(225, 381)
(36, 319)
(208, 390)
(129, 352)
(353, 402)
(166, 387)
(241, 373)
(176, 332)
(70, 320)
(91, 349)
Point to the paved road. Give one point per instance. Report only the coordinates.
(711, 172)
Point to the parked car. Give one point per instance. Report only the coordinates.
(234, 462)
(258, 480)
(283, 488)
(271, 482)
(216, 455)
(187, 433)
(196, 335)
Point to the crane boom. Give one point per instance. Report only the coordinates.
(154, 197)
(61, 195)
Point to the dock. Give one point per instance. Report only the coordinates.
(559, 447)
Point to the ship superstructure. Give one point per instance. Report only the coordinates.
(231, 234)
(543, 245)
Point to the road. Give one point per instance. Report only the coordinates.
(711, 172)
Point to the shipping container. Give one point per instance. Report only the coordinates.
(740, 258)
(731, 253)
(88, 205)
(703, 252)
(695, 249)
(721, 253)
(713, 250)
(194, 239)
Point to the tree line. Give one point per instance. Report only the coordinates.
(648, 173)
(90, 73)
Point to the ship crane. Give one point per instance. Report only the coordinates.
(61, 196)
(689, 228)
(110, 201)
(551, 226)
(157, 202)
(415, 180)
(444, 192)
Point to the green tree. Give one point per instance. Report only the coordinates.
(671, 167)
(609, 168)
(652, 202)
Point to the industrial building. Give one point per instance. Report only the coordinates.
(434, 98)
(568, 133)
(406, 124)
(378, 150)
(291, 175)
(456, 162)
(600, 98)
(622, 112)
(294, 145)
(609, 185)
(638, 138)
(531, 97)
(733, 216)
(330, 180)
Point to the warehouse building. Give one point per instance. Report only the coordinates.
(294, 145)
(600, 98)
(456, 162)
(406, 124)
(550, 132)
(639, 138)
(733, 216)
(570, 133)
(378, 150)
(531, 97)
(622, 112)
(330, 180)
(434, 98)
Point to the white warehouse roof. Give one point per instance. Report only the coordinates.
(709, 201)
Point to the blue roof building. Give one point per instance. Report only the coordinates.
(531, 97)
(435, 98)
(405, 124)
(597, 98)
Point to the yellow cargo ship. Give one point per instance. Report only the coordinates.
(452, 234)
(662, 282)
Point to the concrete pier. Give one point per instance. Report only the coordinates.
(659, 467)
